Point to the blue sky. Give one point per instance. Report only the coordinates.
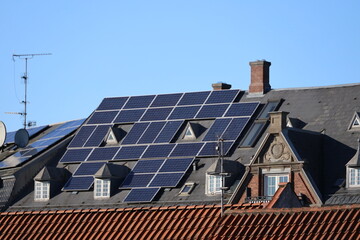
(124, 48)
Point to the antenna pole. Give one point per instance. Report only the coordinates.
(25, 77)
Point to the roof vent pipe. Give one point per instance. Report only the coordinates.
(220, 86)
(260, 80)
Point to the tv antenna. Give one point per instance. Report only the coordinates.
(25, 77)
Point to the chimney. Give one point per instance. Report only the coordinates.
(277, 121)
(220, 86)
(259, 77)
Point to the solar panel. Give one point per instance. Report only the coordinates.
(102, 117)
(176, 165)
(184, 112)
(98, 136)
(151, 132)
(235, 128)
(193, 98)
(166, 100)
(148, 166)
(212, 111)
(78, 184)
(158, 151)
(210, 149)
(129, 116)
(44, 142)
(75, 155)
(166, 179)
(112, 103)
(103, 154)
(242, 109)
(137, 180)
(139, 101)
(135, 133)
(33, 151)
(88, 168)
(224, 96)
(130, 152)
(142, 195)
(10, 136)
(153, 114)
(217, 129)
(186, 149)
(82, 136)
(169, 131)
(74, 123)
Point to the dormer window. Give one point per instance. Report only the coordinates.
(42, 190)
(214, 184)
(101, 188)
(354, 177)
(111, 138)
(355, 122)
(189, 133)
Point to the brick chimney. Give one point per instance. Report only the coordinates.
(220, 86)
(259, 77)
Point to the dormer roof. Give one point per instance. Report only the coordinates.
(355, 160)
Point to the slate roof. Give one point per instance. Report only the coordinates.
(245, 221)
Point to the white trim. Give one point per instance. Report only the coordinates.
(102, 188)
(353, 176)
(213, 184)
(41, 190)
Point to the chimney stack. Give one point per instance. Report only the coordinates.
(277, 121)
(259, 77)
(220, 86)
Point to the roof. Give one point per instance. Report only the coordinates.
(245, 221)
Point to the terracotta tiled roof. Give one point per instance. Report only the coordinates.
(181, 222)
(246, 221)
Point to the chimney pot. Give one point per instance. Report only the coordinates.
(220, 86)
(260, 77)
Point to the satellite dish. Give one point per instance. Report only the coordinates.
(21, 138)
(2, 133)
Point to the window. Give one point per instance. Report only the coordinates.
(102, 188)
(271, 183)
(187, 188)
(354, 177)
(111, 138)
(42, 190)
(189, 133)
(214, 184)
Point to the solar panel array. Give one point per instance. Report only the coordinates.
(151, 124)
(41, 144)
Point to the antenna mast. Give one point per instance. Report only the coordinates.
(25, 77)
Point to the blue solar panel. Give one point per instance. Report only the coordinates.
(166, 100)
(82, 136)
(102, 117)
(78, 184)
(98, 136)
(103, 154)
(151, 132)
(166, 179)
(137, 180)
(224, 96)
(235, 128)
(135, 133)
(210, 149)
(88, 168)
(148, 166)
(186, 149)
(241, 109)
(130, 152)
(142, 195)
(212, 111)
(193, 98)
(176, 165)
(184, 112)
(168, 132)
(139, 102)
(129, 116)
(112, 103)
(13, 161)
(44, 142)
(10, 136)
(153, 114)
(217, 129)
(158, 151)
(33, 151)
(73, 124)
(75, 155)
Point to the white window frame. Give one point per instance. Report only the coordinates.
(213, 184)
(42, 190)
(354, 177)
(271, 183)
(102, 188)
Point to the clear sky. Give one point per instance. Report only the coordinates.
(124, 48)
